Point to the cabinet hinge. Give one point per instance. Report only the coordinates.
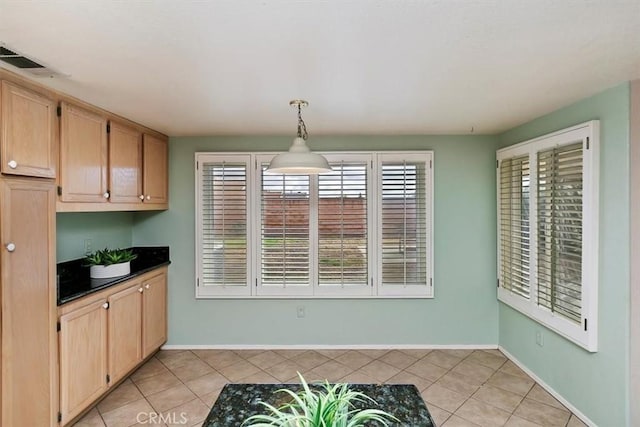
(59, 111)
(588, 140)
(108, 127)
(58, 327)
(59, 190)
(59, 417)
(585, 324)
(108, 379)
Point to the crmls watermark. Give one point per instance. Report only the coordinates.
(153, 418)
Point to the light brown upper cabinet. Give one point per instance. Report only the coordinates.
(83, 156)
(28, 135)
(106, 165)
(156, 171)
(125, 164)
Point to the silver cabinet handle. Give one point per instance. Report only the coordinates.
(105, 305)
(11, 247)
(13, 164)
(148, 197)
(146, 286)
(140, 290)
(106, 195)
(142, 197)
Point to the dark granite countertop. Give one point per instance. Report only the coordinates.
(237, 402)
(73, 279)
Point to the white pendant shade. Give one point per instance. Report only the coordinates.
(299, 160)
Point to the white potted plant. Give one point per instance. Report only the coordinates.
(108, 263)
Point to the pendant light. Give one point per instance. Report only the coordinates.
(299, 160)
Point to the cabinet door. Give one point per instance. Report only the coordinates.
(156, 171)
(125, 331)
(83, 155)
(125, 164)
(154, 313)
(27, 283)
(83, 358)
(28, 136)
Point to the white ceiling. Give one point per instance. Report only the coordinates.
(366, 67)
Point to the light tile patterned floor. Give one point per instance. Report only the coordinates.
(461, 387)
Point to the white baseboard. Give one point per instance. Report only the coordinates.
(329, 347)
(548, 388)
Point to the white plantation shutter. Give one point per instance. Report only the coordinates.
(548, 231)
(222, 240)
(515, 239)
(343, 224)
(363, 230)
(284, 232)
(560, 230)
(404, 224)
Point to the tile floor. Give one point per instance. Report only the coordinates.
(461, 387)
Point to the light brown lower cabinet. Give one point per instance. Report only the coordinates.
(154, 314)
(83, 358)
(125, 331)
(105, 336)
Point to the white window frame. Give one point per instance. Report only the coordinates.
(425, 289)
(584, 334)
(203, 290)
(373, 288)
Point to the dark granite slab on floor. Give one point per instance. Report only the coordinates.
(237, 402)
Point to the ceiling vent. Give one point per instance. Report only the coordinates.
(28, 65)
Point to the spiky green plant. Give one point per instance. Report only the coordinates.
(109, 256)
(332, 406)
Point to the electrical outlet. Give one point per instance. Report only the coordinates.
(300, 312)
(87, 246)
(539, 338)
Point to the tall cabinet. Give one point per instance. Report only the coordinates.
(28, 358)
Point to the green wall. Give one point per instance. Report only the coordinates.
(596, 383)
(104, 229)
(464, 310)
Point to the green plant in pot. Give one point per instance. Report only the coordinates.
(330, 406)
(106, 263)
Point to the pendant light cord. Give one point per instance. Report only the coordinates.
(302, 128)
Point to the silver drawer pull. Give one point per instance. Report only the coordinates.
(11, 247)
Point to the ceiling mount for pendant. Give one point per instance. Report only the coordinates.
(299, 160)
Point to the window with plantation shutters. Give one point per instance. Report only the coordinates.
(548, 231)
(363, 230)
(343, 225)
(515, 241)
(223, 224)
(560, 230)
(284, 233)
(404, 224)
